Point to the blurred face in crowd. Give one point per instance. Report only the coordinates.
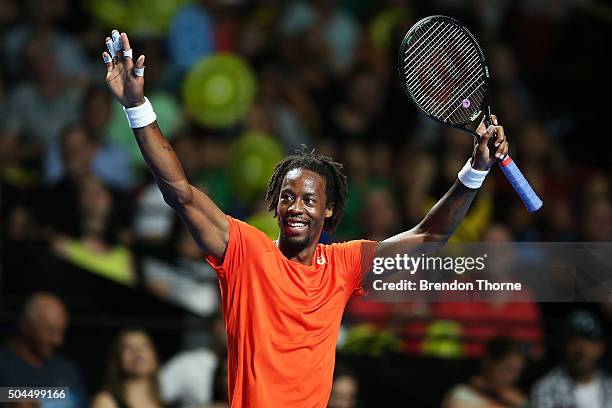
(302, 207)
(344, 392)
(77, 153)
(40, 60)
(137, 355)
(379, 202)
(96, 201)
(97, 111)
(582, 355)
(43, 325)
(505, 371)
(597, 224)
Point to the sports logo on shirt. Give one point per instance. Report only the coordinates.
(321, 260)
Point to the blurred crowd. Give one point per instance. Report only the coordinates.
(74, 195)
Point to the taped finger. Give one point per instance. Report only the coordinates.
(116, 37)
(111, 48)
(139, 71)
(107, 58)
(127, 53)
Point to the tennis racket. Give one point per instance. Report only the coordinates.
(444, 72)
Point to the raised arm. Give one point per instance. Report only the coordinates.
(444, 217)
(206, 222)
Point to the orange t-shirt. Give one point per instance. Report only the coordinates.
(282, 317)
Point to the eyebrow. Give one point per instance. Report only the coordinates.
(306, 194)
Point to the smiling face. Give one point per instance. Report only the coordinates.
(302, 208)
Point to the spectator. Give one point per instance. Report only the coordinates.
(578, 381)
(97, 247)
(495, 385)
(110, 162)
(57, 207)
(131, 376)
(189, 379)
(334, 31)
(43, 99)
(345, 388)
(31, 359)
(184, 279)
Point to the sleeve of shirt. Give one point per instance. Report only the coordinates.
(356, 258)
(245, 242)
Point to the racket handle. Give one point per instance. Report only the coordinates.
(520, 184)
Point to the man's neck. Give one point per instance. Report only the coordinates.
(300, 254)
(584, 378)
(21, 348)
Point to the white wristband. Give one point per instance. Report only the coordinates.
(140, 116)
(470, 177)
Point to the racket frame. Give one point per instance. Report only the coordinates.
(484, 106)
(514, 175)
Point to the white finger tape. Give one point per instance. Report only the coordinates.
(139, 71)
(116, 40)
(140, 116)
(470, 177)
(107, 58)
(127, 53)
(111, 48)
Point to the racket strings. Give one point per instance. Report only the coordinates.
(439, 39)
(457, 77)
(441, 81)
(443, 71)
(433, 80)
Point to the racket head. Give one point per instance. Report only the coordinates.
(444, 72)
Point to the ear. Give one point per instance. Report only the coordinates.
(329, 211)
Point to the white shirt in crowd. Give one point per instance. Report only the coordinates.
(588, 395)
(187, 379)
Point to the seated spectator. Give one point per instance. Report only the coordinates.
(578, 381)
(494, 386)
(97, 248)
(57, 207)
(345, 388)
(183, 279)
(30, 360)
(131, 377)
(189, 379)
(42, 99)
(108, 161)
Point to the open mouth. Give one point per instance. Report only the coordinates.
(294, 226)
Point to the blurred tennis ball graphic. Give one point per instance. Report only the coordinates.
(265, 222)
(252, 160)
(218, 90)
(139, 16)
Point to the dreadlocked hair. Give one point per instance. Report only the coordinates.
(336, 187)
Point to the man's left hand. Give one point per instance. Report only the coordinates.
(484, 157)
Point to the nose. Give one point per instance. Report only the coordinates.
(296, 207)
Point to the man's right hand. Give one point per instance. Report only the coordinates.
(121, 73)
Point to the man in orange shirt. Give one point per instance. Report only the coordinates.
(282, 300)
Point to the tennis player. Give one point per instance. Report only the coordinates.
(282, 300)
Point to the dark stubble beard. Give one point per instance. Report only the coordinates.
(295, 244)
